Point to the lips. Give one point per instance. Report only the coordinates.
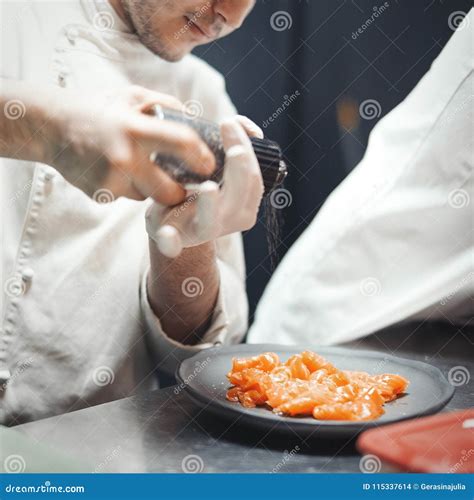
(203, 30)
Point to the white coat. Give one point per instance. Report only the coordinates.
(77, 328)
(395, 239)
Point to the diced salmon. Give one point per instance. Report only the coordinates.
(307, 384)
(266, 362)
(390, 385)
(315, 362)
(298, 368)
(303, 405)
(352, 410)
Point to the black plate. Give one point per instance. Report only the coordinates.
(204, 379)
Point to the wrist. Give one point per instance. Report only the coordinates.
(51, 121)
(183, 291)
(35, 132)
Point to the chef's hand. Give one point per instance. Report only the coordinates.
(101, 139)
(211, 212)
(122, 138)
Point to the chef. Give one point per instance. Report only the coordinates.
(91, 306)
(395, 240)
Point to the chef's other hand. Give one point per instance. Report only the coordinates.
(210, 212)
(106, 142)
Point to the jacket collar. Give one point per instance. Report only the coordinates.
(101, 13)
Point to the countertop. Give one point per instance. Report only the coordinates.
(163, 431)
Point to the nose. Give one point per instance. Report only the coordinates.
(233, 12)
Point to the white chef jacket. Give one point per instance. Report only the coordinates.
(394, 240)
(77, 328)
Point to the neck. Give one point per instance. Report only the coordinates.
(117, 5)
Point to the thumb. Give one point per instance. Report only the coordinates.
(166, 236)
(207, 212)
(168, 241)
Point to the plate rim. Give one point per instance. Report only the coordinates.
(214, 405)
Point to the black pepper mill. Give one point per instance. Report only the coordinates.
(268, 153)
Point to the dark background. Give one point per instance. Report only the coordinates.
(322, 133)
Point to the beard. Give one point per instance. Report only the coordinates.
(140, 15)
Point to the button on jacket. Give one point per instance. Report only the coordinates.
(394, 240)
(77, 328)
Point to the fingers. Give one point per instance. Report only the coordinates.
(197, 219)
(133, 164)
(243, 185)
(233, 134)
(239, 174)
(174, 139)
(165, 100)
(145, 98)
(252, 129)
(146, 137)
(154, 183)
(120, 184)
(240, 160)
(206, 220)
(192, 223)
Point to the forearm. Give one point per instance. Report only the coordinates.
(29, 128)
(183, 291)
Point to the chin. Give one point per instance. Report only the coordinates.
(173, 53)
(168, 51)
(176, 57)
